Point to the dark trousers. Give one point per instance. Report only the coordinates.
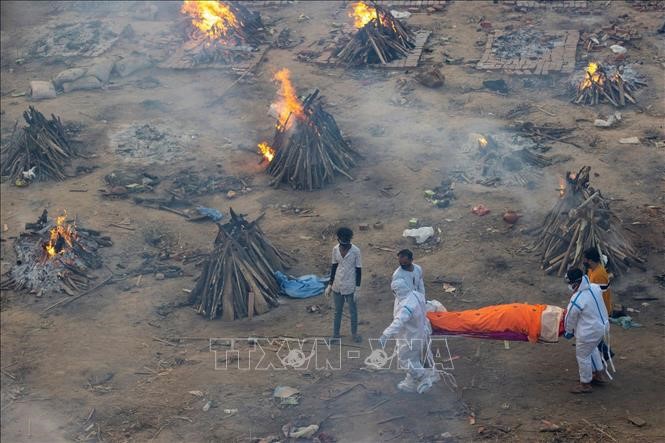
(339, 308)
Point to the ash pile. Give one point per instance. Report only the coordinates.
(145, 141)
(55, 255)
(506, 159)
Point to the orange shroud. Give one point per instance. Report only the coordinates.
(516, 317)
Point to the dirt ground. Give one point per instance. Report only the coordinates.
(119, 364)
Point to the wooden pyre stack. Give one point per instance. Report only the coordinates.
(40, 148)
(381, 40)
(235, 34)
(238, 279)
(582, 219)
(599, 86)
(311, 151)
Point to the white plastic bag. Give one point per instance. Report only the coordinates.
(420, 235)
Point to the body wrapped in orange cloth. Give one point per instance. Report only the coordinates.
(515, 321)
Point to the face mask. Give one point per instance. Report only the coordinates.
(405, 267)
(571, 289)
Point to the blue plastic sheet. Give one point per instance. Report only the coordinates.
(301, 287)
(211, 213)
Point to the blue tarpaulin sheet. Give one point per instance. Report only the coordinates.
(301, 287)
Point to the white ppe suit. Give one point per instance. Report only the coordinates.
(412, 330)
(587, 318)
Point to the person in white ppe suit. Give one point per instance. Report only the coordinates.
(412, 330)
(586, 320)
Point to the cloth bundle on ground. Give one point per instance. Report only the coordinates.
(301, 287)
(515, 322)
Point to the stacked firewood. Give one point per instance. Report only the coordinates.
(238, 279)
(582, 219)
(599, 86)
(311, 151)
(381, 40)
(234, 43)
(38, 151)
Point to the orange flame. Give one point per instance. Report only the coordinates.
(562, 187)
(61, 231)
(288, 104)
(482, 142)
(362, 14)
(213, 18)
(592, 76)
(267, 151)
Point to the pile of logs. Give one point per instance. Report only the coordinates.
(311, 152)
(382, 40)
(582, 219)
(234, 45)
(38, 151)
(238, 279)
(68, 271)
(598, 86)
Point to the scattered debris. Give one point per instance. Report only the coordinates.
(480, 210)
(432, 78)
(291, 431)
(637, 421)
(629, 141)
(420, 235)
(511, 217)
(286, 394)
(442, 195)
(497, 86)
(610, 122)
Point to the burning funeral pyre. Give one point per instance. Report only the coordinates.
(606, 85)
(308, 149)
(37, 152)
(380, 38)
(55, 255)
(582, 219)
(238, 279)
(221, 32)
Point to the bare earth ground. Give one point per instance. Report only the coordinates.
(48, 360)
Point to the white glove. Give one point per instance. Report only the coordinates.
(328, 291)
(356, 294)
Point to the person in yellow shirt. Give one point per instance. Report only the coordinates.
(598, 275)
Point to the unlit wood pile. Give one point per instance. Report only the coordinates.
(582, 219)
(381, 40)
(238, 279)
(311, 152)
(41, 145)
(600, 87)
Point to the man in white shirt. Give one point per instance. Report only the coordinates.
(410, 272)
(345, 278)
